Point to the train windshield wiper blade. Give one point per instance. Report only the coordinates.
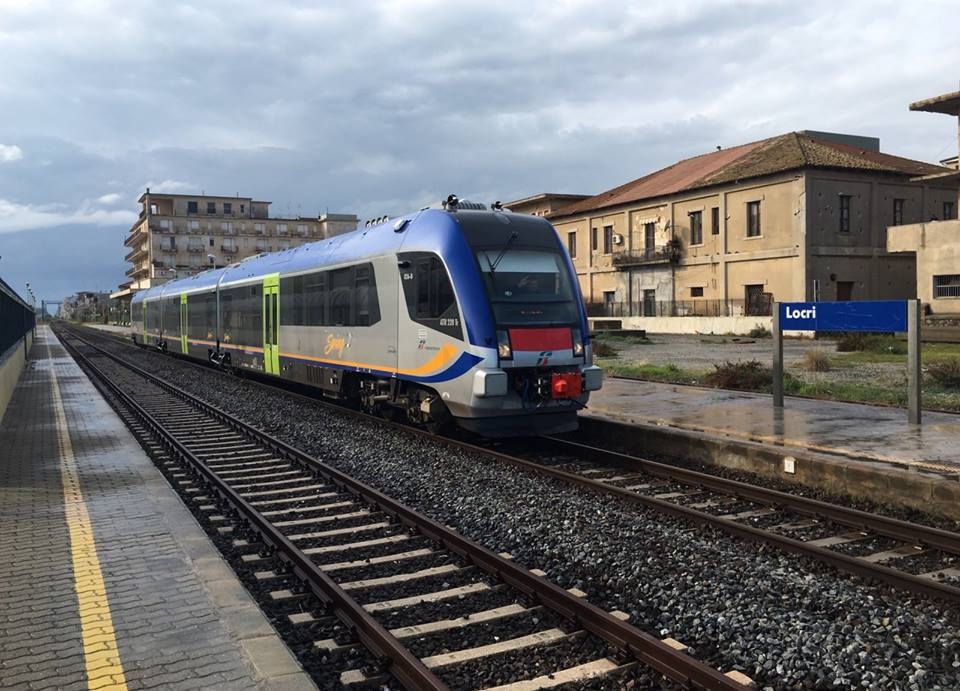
(513, 236)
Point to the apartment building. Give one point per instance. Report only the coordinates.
(178, 235)
(935, 242)
(799, 216)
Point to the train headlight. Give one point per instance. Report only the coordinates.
(577, 343)
(503, 346)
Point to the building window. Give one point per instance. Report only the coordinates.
(607, 239)
(194, 225)
(165, 223)
(946, 286)
(302, 229)
(898, 212)
(243, 209)
(593, 239)
(696, 227)
(260, 228)
(649, 236)
(153, 208)
(226, 227)
(281, 229)
(195, 260)
(844, 213)
(572, 244)
(715, 220)
(948, 211)
(284, 244)
(227, 208)
(192, 207)
(753, 219)
(211, 207)
(696, 292)
(609, 297)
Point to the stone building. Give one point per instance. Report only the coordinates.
(545, 204)
(177, 235)
(799, 216)
(935, 242)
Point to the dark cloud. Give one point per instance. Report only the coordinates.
(383, 107)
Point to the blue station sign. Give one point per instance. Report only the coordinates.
(861, 315)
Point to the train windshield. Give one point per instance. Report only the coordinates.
(528, 286)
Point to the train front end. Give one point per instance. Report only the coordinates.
(541, 371)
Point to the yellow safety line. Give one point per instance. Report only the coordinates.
(101, 656)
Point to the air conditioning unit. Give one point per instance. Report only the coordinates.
(617, 239)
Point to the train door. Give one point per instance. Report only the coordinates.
(143, 305)
(183, 323)
(271, 324)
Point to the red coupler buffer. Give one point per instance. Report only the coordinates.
(566, 385)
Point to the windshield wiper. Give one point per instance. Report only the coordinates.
(513, 236)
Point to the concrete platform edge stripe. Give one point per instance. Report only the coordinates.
(100, 652)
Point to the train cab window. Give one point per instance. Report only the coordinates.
(429, 293)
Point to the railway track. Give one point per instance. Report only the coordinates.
(906, 555)
(434, 609)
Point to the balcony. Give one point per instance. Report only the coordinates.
(229, 249)
(195, 248)
(663, 254)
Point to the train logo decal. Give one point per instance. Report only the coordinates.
(544, 358)
(335, 345)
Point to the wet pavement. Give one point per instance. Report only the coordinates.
(847, 429)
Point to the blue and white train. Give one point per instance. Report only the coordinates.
(459, 314)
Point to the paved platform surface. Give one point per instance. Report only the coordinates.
(106, 580)
(848, 429)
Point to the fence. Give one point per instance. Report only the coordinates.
(681, 308)
(16, 318)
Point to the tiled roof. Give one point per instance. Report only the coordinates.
(791, 151)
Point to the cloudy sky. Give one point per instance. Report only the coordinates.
(382, 107)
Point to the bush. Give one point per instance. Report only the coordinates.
(946, 373)
(603, 349)
(816, 360)
(745, 376)
(850, 342)
(759, 331)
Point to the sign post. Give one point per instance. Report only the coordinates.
(914, 375)
(885, 316)
(777, 358)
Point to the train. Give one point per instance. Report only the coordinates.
(460, 314)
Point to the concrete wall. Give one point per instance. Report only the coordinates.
(739, 326)
(937, 248)
(11, 364)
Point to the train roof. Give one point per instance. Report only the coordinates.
(425, 230)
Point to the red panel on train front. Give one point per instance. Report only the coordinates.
(541, 339)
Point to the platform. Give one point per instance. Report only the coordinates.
(849, 429)
(106, 580)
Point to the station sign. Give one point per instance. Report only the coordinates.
(860, 315)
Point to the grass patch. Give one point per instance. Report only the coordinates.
(759, 331)
(669, 374)
(742, 376)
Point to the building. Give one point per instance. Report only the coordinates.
(935, 241)
(86, 306)
(546, 204)
(800, 216)
(178, 235)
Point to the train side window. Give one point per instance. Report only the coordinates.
(429, 293)
(341, 296)
(315, 299)
(367, 305)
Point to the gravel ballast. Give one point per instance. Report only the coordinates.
(786, 621)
